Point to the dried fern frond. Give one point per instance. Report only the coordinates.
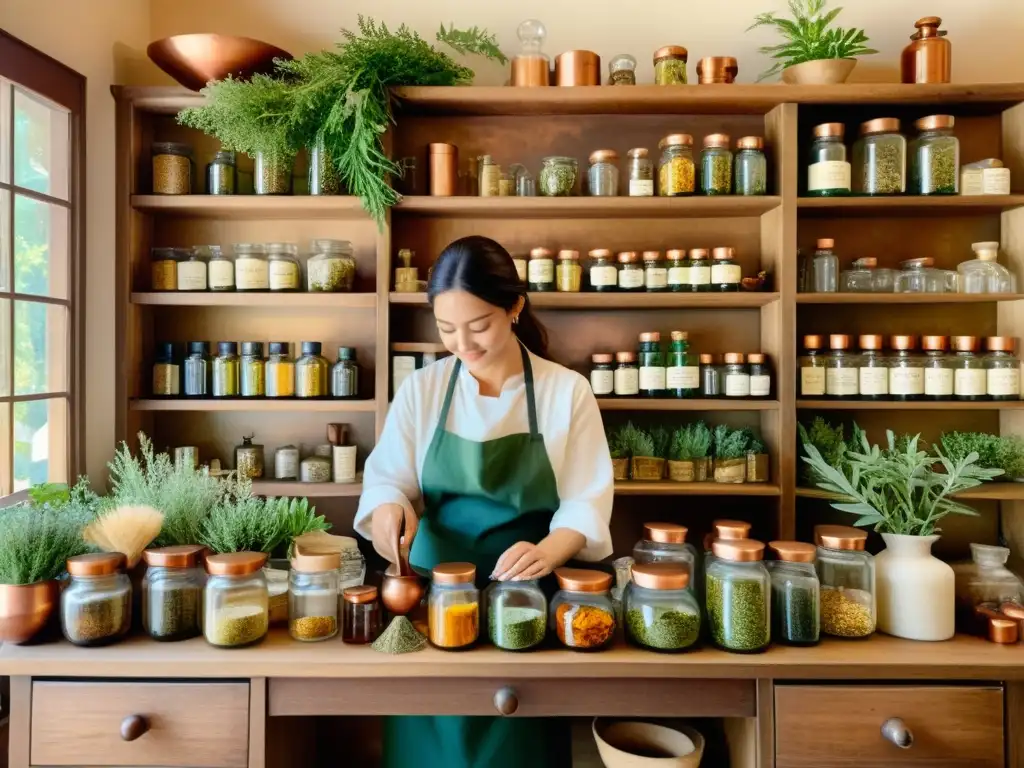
(128, 530)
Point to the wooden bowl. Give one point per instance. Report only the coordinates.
(195, 60)
(25, 609)
(632, 744)
(820, 72)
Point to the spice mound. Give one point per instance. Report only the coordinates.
(454, 626)
(400, 637)
(661, 628)
(736, 612)
(583, 626)
(235, 625)
(98, 620)
(313, 627)
(846, 612)
(516, 629)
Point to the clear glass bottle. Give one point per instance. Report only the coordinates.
(226, 370)
(751, 167)
(280, 371)
(192, 270)
(197, 378)
(863, 277)
(627, 375)
(622, 70)
(517, 614)
(813, 363)
(641, 172)
(172, 592)
(847, 576)
(984, 579)
(920, 276)
(651, 360)
(842, 379)
(220, 269)
(313, 596)
(716, 165)
(166, 371)
(880, 158)
(311, 371)
(666, 543)
(163, 265)
(710, 377)
(984, 273)
(631, 271)
(172, 168)
(825, 266)
(670, 65)
(568, 271)
(873, 368)
(252, 270)
(906, 369)
(969, 377)
(726, 273)
(682, 373)
(272, 174)
(453, 607)
(678, 273)
(345, 374)
(324, 175)
(603, 174)
(700, 270)
(935, 157)
(760, 375)
(558, 176)
(253, 378)
(738, 596)
(602, 374)
(736, 376)
(96, 606)
(531, 66)
(660, 611)
(796, 610)
(1002, 368)
(220, 174)
(828, 170)
(655, 271)
(582, 615)
(362, 617)
(676, 171)
(236, 601)
(541, 270)
(331, 267)
(604, 275)
(284, 273)
(938, 368)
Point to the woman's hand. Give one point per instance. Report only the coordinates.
(386, 527)
(524, 560)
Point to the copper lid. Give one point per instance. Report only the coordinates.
(638, 152)
(840, 537)
(540, 253)
(923, 261)
(738, 550)
(866, 262)
(927, 27)
(723, 252)
(1012, 610)
(568, 253)
(453, 573)
(443, 149)
(750, 142)
(1003, 631)
(675, 254)
(625, 357)
(826, 243)
(603, 155)
(813, 341)
(731, 529)
(756, 358)
(676, 140)
(838, 341)
(95, 564)
(671, 52)
(660, 576)
(934, 343)
(628, 257)
(1000, 343)
(699, 253)
(360, 594)
(235, 563)
(903, 342)
(679, 335)
(650, 336)
(599, 253)
(965, 343)
(880, 125)
(652, 255)
(602, 357)
(793, 551)
(935, 122)
(871, 341)
(583, 580)
(320, 563)
(734, 358)
(706, 359)
(829, 129)
(717, 140)
(182, 556)
(665, 533)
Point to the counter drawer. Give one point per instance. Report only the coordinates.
(169, 724)
(841, 726)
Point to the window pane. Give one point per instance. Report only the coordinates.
(40, 348)
(5, 240)
(5, 349)
(5, 130)
(41, 233)
(42, 146)
(40, 442)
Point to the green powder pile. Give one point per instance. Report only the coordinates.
(400, 637)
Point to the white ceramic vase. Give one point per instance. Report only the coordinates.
(915, 589)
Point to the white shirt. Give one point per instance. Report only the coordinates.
(567, 417)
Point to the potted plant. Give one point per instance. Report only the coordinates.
(903, 492)
(830, 444)
(619, 449)
(688, 453)
(1009, 457)
(645, 463)
(758, 466)
(730, 455)
(812, 54)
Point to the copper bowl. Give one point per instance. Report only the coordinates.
(400, 594)
(25, 609)
(195, 60)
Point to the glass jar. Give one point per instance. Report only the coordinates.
(172, 168)
(710, 377)
(842, 369)
(272, 174)
(660, 611)
(604, 276)
(453, 607)
(796, 611)
(724, 530)
(582, 614)
(652, 365)
(666, 543)
(541, 270)
(920, 276)
(984, 273)
(631, 271)
(726, 274)
(825, 266)
(969, 376)
(828, 170)
(751, 167)
(738, 596)
(880, 158)
(517, 614)
(522, 269)
(315, 469)
(873, 368)
(812, 367)
(984, 579)
(490, 177)
(283, 267)
(286, 463)
(558, 176)
(622, 70)
(362, 617)
(700, 270)
(1002, 368)
(163, 265)
(249, 459)
(865, 277)
(906, 370)
(236, 601)
(253, 380)
(641, 172)
(760, 375)
(938, 368)
(627, 375)
(197, 380)
(935, 157)
(220, 269)
(847, 576)
(345, 374)
(172, 592)
(736, 377)
(678, 274)
(220, 174)
(313, 596)
(324, 175)
(670, 65)
(311, 371)
(331, 267)
(682, 372)
(716, 165)
(280, 370)
(655, 272)
(192, 271)
(676, 174)
(602, 374)
(226, 370)
(568, 272)
(96, 606)
(252, 270)
(166, 371)
(603, 175)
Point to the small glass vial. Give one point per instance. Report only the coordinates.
(651, 365)
(568, 272)
(253, 379)
(736, 376)
(604, 276)
(627, 375)
(453, 607)
(873, 368)
(796, 610)
(345, 375)
(226, 370)
(847, 576)
(880, 158)
(283, 272)
(655, 272)
(938, 368)
(252, 270)
(622, 70)
(828, 170)
(825, 266)
(969, 376)
(280, 371)
(163, 265)
(362, 617)
(726, 274)
(490, 177)
(676, 172)
(166, 372)
(603, 174)
(670, 65)
(220, 174)
(541, 270)
(602, 374)
(812, 367)
(935, 157)
(172, 168)
(641, 172)
(682, 373)
(220, 270)
(760, 375)
(751, 167)
(700, 270)
(192, 271)
(631, 271)
(236, 600)
(738, 593)
(716, 165)
(842, 374)
(906, 370)
(272, 174)
(311, 371)
(172, 593)
(197, 380)
(96, 606)
(710, 377)
(678, 273)
(313, 597)
(660, 611)
(517, 614)
(1002, 368)
(331, 267)
(582, 614)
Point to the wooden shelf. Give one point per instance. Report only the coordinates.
(984, 492)
(594, 300)
(587, 207)
(309, 490)
(938, 205)
(669, 488)
(905, 298)
(419, 347)
(683, 404)
(256, 405)
(257, 300)
(249, 207)
(913, 405)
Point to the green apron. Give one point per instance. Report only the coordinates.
(480, 499)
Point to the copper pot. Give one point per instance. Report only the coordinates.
(25, 609)
(578, 68)
(400, 594)
(717, 69)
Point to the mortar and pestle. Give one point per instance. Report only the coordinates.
(402, 589)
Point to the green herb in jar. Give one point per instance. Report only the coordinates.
(795, 615)
(663, 629)
(172, 611)
(716, 165)
(558, 176)
(96, 621)
(736, 613)
(515, 629)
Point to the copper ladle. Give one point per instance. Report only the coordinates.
(402, 589)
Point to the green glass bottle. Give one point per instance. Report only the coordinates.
(682, 374)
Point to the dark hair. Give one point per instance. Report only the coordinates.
(480, 266)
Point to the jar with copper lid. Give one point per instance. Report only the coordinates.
(751, 166)
(517, 614)
(1002, 368)
(760, 375)
(920, 276)
(682, 374)
(872, 368)
(735, 375)
(313, 596)
(929, 56)
(864, 276)
(666, 543)
(670, 65)
(568, 272)
(828, 170)
(651, 359)
(677, 276)
(796, 611)
(362, 617)
(655, 271)
(172, 592)
(726, 273)
(716, 165)
(540, 270)
(969, 377)
(825, 266)
(812, 365)
(676, 171)
(847, 575)
(236, 600)
(604, 275)
(723, 529)
(660, 611)
(938, 368)
(602, 374)
(96, 606)
(717, 69)
(582, 614)
(906, 369)
(631, 271)
(622, 70)
(558, 176)
(453, 606)
(841, 369)
(641, 172)
(935, 157)
(627, 375)
(603, 174)
(710, 377)
(700, 270)
(880, 158)
(738, 596)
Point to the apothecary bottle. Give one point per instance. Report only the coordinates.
(660, 611)
(197, 380)
(324, 176)
(969, 376)
(825, 266)
(272, 174)
(938, 368)
(96, 606)
(568, 272)
(172, 592)
(812, 367)
(313, 596)
(655, 271)
(602, 373)
(331, 267)
(627, 375)
(172, 168)
(919, 276)
(796, 611)
(984, 273)
(220, 174)
(280, 371)
(676, 173)
(873, 368)
(603, 174)
(751, 167)
(682, 372)
(736, 375)
(226, 370)
(362, 617)
(283, 272)
(345, 374)
(700, 270)
(622, 70)
(558, 176)
(1002, 368)
(236, 600)
(253, 378)
(906, 369)
(490, 177)
(666, 543)
(311, 371)
(541, 270)
(163, 266)
(192, 270)
(880, 158)
(220, 270)
(842, 377)
(517, 615)
(716, 165)
(760, 375)
(453, 607)
(641, 172)
(828, 171)
(166, 371)
(651, 360)
(864, 276)
(582, 615)
(726, 273)
(710, 377)
(670, 65)
(935, 157)
(604, 276)
(252, 270)
(738, 596)
(631, 271)
(678, 273)
(847, 576)
(984, 579)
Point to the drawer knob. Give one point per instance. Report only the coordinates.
(896, 731)
(506, 701)
(133, 727)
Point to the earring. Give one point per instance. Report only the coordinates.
(515, 320)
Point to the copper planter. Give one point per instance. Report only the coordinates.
(25, 609)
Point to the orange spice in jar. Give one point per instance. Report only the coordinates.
(582, 611)
(453, 606)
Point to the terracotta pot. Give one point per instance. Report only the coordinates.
(758, 468)
(633, 744)
(648, 468)
(620, 469)
(690, 471)
(25, 609)
(731, 470)
(820, 72)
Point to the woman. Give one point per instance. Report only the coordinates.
(503, 454)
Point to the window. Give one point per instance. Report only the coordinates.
(41, 129)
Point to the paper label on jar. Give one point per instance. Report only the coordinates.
(631, 278)
(726, 274)
(284, 276)
(841, 382)
(969, 382)
(343, 463)
(520, 268)
(221, 274)
(604, 276)
(682, 377)
(252, 274)
(627, 381)
(971, 182)
(652, 377)
(812, 382)
(737, 385)
(1003, 381)
(679, 276)
(906, 381)
(192, 276)
(938, 382)
(402, 367)
(656, 278)
(831, 174)
(995, 181)
(760, 386)
(541, 271)
(602, 382)
(700, 275)
(641, 187)
(874, 381)
(165, 275)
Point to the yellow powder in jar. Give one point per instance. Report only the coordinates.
(676, 177)
(280, 379)
(454, 626)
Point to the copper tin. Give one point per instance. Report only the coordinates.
(927, 58)
(541, 253)
(1003, 631)
(328, 561)
(964, 343)
(830, 129)
(638, 152)
(235, 563)
(577, 68)
(530, 71)
(871, 341)
(738, 550)
(568, 254)
(671, 52)
(602, 357)
(723, 252)
(650, 336)
(444, 169)
(359, 595)
(922, 261)
(96, 564)
(628, 257)
(734, 358)
(717, 69)
(453, 573)
(25, 609)
(866, 262)
(1000, 343)
(660, 576)
(717, 140)
(934, 343)
(183, 556)
(599, 253)
(706, 359)
(794, 551)
(731, 529)
(603, 156)
(838, 341)
(756, 358)
(813, 341)
(903, 342)
(625, 357)
(880, 125)
(652, 256)
(699, 253)
(583, 580)
(665, 533)
(935, 123)
(750, 142)
(679, 335)
(676, 140)
(840, 537)
(826, 243)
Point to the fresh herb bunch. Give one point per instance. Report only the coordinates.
(808, 37)
(296, 517)
(1009, 456)
(754, 442)
(634, 441)
(828, 441)
(729, 443)
(662, 439)
(690, 442)
(36, 541)
(618, 447)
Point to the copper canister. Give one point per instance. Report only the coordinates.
(578, 68)
(530, 71)
(444, 169)
(717, 69)
(929, 56)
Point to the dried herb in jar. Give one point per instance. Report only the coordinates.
(558, 176)
(454, 626)
(666, 629)
(516, 629)
(173, 610)
(736, 613)
(583, 626)
(313, 627)
(235, 625)
(99, 620)
(846, 613)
